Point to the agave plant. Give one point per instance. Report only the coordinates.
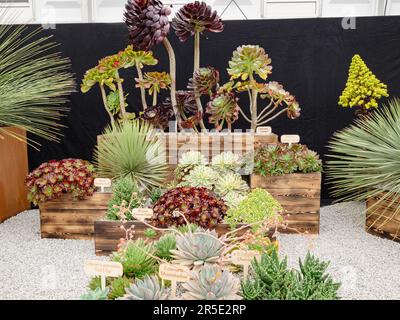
(34, 82)
(212, 283)
(365, 159)
(194, 249)
(130, 149)
(148, 288)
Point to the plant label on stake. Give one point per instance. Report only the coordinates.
(290, 138)
(264, 130)
(102, 183)
(103, 269)
(174, 273)
(142, 213)
(244, 258)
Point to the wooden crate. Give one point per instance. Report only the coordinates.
(300, 196)
(382, 219)
(13, 170)
(67, 218)
(107, 234)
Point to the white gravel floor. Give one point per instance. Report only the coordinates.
(32, 268)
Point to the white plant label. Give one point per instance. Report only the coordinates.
(102, 183)
(103, 269)
(290, 138)
(142, 213)
(244, 258)
(174, 273)
(264, 130)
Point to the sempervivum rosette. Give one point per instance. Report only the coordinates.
(204, 80)
(196, 17)
(223, 108)
(147, 22)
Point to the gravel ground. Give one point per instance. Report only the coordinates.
(368, 266)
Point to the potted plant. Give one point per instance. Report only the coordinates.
(292, 175)
(35, 82)
(363, 166)
(65, 194)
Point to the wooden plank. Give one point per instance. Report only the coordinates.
(97, 201)
(13, 170)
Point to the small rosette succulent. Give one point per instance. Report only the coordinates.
(196, 17)
(212, 283)
(231, 182)
(154, 81)
(194, 249)
(200, 176)
(148, 288)
(187, 162)
(198, 205)
(204, 80)
(185, 101)
(147, 22)
(53, 178)
(233, 199)
(249, 59)
(223, 108)
(159, 115)
(227, 161)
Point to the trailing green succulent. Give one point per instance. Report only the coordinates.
(96, 294)
(280, 159)
(200, 177)
(194, 249)
(124, 190)
(135, 257)
(212, 283)
(258, 206)
(272, 280)
(164, 246)
(148, 288)
(131, 150)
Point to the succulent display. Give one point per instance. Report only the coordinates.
(231, 183)
(200, 176)
(164, 246)
(126, 191)
(130, 150)
(194, 249)
(96, 294)
(363, 89)
(135, 257)
(198, 205)
(53, 178)
(272, 280)
(212, 283)
(227, 161)
(148, 288)
(258, 206)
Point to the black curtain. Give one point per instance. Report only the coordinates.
(310, 57)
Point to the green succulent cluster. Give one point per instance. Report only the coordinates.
(280, 159)
(272, 280)
(362, 89)
(164, 246)
(257, 206)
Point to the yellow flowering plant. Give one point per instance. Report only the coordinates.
(363, 89)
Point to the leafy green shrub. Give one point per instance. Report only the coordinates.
(164, 246)
(259, 205)
(272, 280)
(135, 258)
(280, 159)
(123, 190)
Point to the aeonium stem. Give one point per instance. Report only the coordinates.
(104, 96)
(121, 94)
(142, 90)
(196, 67)
(154, 98)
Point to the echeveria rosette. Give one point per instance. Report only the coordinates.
(247, 60)
(204, 80)
(147, 22)
(196, 17)
(223, 108)
(154, 81)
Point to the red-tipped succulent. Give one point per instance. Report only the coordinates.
(51, 179)
(198, 205)
(196, 17)
(204, 80)
(147, 22)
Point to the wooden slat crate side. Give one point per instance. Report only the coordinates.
(97, 201)
(302, 223)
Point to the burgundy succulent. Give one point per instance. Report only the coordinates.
(159, 115)
(186, 102)
(196, 17)
(204, 80)
(192, 121)
(147, 22)
(223, 108)
(198, 205)
(51, 179)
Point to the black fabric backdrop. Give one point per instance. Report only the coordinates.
(310, 57)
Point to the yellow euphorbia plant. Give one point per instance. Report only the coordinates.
(362, 89)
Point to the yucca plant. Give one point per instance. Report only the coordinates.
(365, 159)
(34, 82)
(130, 149)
